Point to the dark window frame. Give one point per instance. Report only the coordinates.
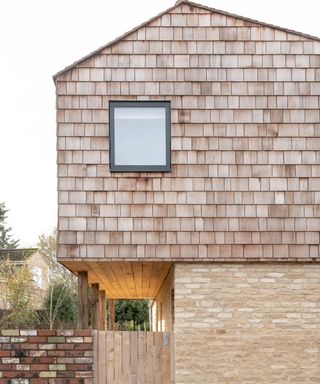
(138, 104)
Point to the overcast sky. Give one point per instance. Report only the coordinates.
(41, 37)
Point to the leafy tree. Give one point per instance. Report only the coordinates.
(48, 248)
(61, 301)
(6, 241)
(61, 306)
(132, 314)
(17, 293)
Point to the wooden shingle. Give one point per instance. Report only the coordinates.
(245, 143)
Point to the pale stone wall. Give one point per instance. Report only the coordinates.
(40, 272)
(162, 313)
(249, 323)
(37, 261)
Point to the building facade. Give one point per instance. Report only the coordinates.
(188, 166)
(38, 268)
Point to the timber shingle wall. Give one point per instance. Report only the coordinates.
(245, 180)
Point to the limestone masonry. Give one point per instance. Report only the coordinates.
(247, 323)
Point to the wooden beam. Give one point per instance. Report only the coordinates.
(111, 325)
(102, 302)
(95, 306)
(83, 300)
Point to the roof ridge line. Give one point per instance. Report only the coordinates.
(178, 3)
(19, 249)
(269, 25)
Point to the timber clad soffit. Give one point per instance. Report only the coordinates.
(179, 3)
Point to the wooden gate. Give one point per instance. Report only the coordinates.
(132, 357)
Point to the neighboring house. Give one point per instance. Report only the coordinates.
(188, 165)
(36, 265)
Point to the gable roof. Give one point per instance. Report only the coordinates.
(178, 3)
(17, 255)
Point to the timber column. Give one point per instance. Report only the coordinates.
(102, 301)
(83, 300)
(111, 325)
(95, 307)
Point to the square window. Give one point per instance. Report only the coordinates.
(140, 136)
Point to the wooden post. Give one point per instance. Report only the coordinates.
(111, 326)
(102, 301)
(150, 316)
(95, 306)
(83, 300)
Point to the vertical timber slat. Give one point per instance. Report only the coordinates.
(158, 358)
(166, 360)
(126, 357)
(141, 355)
(149, 358)
(106, 358)
(110, 358)
(96, 357)
(102, 369)
(118, 357)
(132, 357)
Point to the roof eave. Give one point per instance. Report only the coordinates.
(19, 253)
(111, 43)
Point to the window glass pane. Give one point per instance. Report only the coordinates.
(140, 136)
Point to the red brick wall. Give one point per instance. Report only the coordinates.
(46, 357)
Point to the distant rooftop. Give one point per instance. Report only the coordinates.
(16, 255)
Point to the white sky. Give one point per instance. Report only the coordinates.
(40, 37)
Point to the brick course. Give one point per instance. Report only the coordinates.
(46, 357)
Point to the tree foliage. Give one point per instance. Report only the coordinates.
(60, 302)
(17, 293)
(132, 314)
(47, 246)
(6, 241)
(61, 306)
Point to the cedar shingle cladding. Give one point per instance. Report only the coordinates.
(245, 180)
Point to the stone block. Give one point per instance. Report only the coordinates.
(9, 332)
(47, 374)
